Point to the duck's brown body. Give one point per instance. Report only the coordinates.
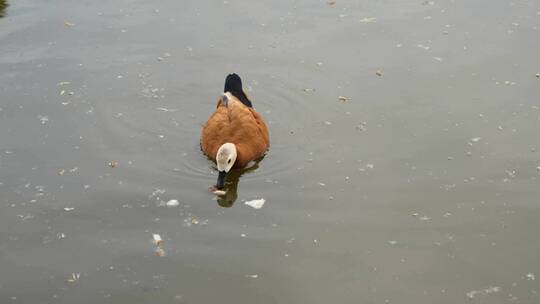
(234, 122)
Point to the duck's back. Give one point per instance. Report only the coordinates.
(239, 124)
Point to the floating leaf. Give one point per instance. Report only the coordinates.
(368, 19)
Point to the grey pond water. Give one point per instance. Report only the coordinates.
(421, 184)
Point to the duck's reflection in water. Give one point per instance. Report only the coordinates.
(3, 5)
(231, 184)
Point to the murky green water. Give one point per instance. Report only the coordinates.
(422, 187)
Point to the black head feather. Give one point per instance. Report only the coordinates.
(233, 84)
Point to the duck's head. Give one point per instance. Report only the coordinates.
(225, 158)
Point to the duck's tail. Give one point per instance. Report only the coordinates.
(233, 84)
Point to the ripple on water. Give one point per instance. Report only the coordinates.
(198, 168)
(286, 110)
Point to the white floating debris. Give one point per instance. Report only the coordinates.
(257, 203)
(491, 289)
(253, 276)
(155, 194)
(192, 220)
(68, 209)
(219, 192)
(157, 239)
(476, 139)
(172, 203)
(424, 218)
(74, 277)
(43, 119)
(511, 173)
(361, 126)
(166, 110)
(530, 276)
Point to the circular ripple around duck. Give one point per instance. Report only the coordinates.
(283, 105)
(195, 166)
(285, 108)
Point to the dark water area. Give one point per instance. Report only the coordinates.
(404, 162)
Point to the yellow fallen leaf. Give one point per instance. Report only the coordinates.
(368, 19)
(343, 98)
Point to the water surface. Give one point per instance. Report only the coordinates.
(421, 186)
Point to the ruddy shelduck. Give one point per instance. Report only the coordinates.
(235, 134)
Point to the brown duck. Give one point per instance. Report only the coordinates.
(235, 133)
